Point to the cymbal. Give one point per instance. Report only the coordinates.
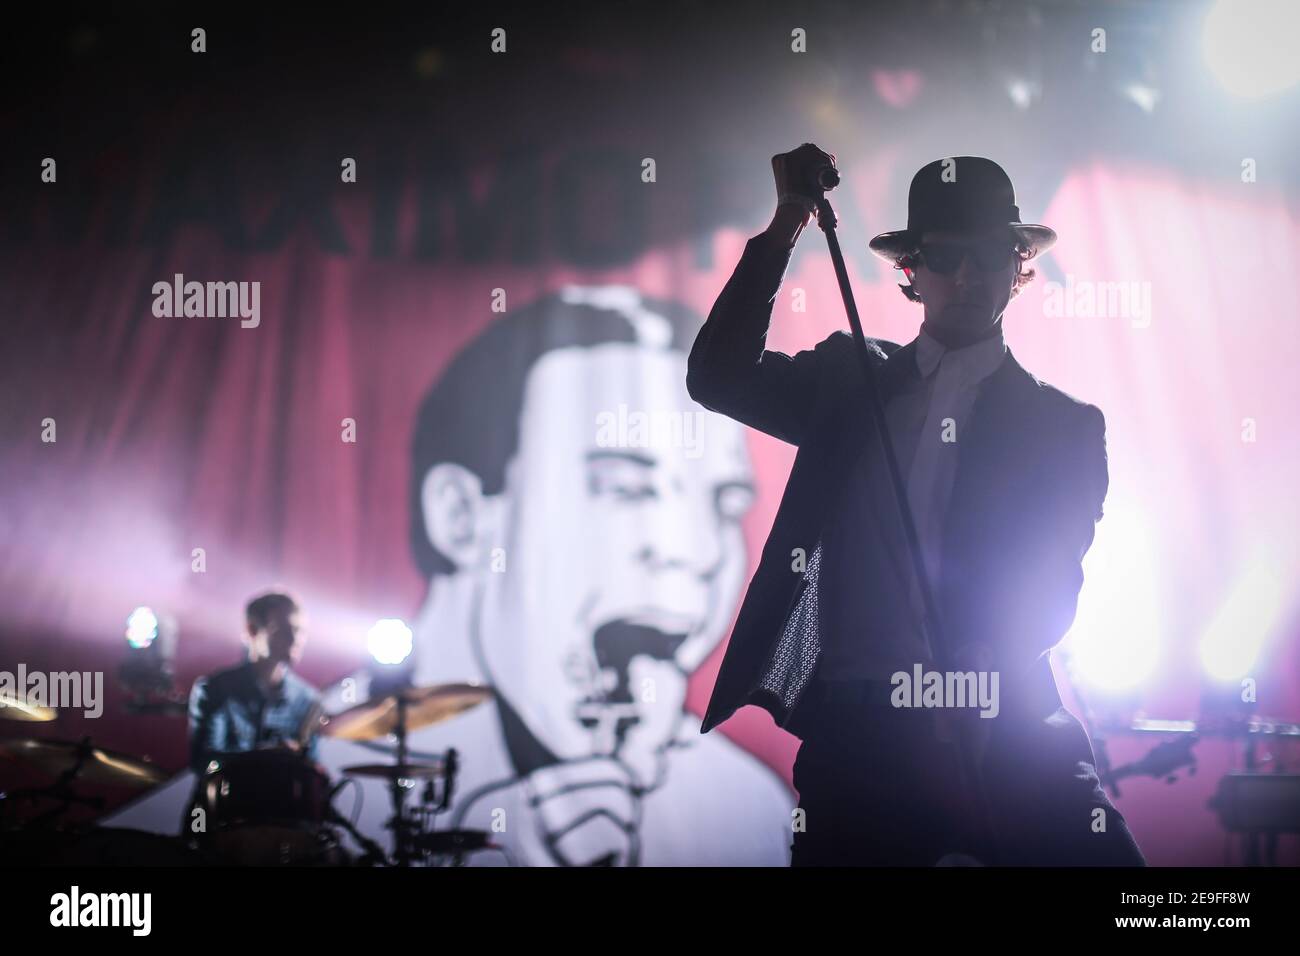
(56, 757)
(404, 771)
(425, 706)
(17, 708)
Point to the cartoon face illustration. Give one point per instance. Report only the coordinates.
(606, 545)
(578, 518)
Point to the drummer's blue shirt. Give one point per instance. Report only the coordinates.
(230, 712)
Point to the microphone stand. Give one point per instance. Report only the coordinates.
(972, 778)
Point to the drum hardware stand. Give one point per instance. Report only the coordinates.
(374, 854)
(393, 715)
(451, 843)
(401, 824)
(409, 834)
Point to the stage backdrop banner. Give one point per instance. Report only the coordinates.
(453, 392)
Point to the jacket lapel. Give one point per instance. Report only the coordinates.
(852, 423)
(990, 449)
(992, 453)
(895, 371)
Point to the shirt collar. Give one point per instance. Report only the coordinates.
(974, 363)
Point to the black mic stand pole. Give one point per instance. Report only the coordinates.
(972, 778)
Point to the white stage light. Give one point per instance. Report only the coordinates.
(390, 641)
(1250, 45)
(1114, 643)
(141, 627)
(1233, 640)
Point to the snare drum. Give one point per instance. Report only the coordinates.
(266, 808)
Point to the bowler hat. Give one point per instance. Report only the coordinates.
(959, 194)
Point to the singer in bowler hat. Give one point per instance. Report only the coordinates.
(1005, 477)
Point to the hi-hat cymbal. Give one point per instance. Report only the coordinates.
(390, 772)
(56, 757)
(17, 708)
(425, 706)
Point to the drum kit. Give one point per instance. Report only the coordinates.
(265, 807)
(1256, 804)
(274, 806)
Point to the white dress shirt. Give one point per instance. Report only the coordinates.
(953, 378)
(870, 601)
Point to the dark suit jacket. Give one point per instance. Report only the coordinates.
(1029, 487)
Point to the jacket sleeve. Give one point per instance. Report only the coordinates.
(206, 725)
(309, 726)
(1049, 572)
(730, 370)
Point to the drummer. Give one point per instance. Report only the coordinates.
(261, 702)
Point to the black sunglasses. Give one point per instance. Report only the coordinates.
(945, 257)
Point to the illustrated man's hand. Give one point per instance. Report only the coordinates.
(587, 812)
(659, 688)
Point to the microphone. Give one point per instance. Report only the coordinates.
(450, 765)
(816, 181)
